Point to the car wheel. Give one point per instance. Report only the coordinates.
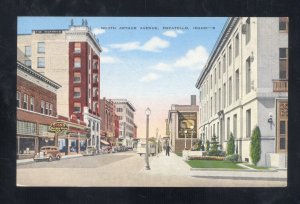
(58, 157)
(50, 159)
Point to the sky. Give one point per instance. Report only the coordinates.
(154, 65)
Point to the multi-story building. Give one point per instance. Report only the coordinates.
(36, 110)
(244, 84)
(182, 124)
(72, 58)
(125, 112)
(108, 116)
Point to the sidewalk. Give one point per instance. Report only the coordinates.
(174, 165)
(28, 161)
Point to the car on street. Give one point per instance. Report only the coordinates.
(141, 148)
(48, 153)
(90, 151)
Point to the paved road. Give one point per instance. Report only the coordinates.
(121, 169)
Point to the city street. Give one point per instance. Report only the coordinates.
(125, 169)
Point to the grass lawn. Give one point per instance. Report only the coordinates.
(213, 164)
(256, 167)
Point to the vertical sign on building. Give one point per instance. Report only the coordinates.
(187, 120)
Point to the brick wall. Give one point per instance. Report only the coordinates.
(179, 145)
(28, 116)
(39, 93)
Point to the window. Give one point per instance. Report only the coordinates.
(283, 63)
(219, 69)
(41, 62)
(89, 93)
(32, 104)
(77, 92)
(95, 65)
(237, 85)
(237, 45)
(42, 107)
(248, 30)
(229, 55)
(95, 78)
(235, 125)
(283, 23)
(28, 63)
(215, 109)
(27, 51)
(77, 62)
(219, 99)
(18, 99)
(27, 128)
(51, 109)
(25, 101)
(248, 123)
(47, 108)
(228, 128)
(248, 76)
(41, 47)
(230, 90)
(211, 81)
(77, 47)
(224, 95)
(77, 107)
(224, 63)
(77, 77)
(215, 75)
(211, 105)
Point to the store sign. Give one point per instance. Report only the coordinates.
(47, 31)
(187, 121)
(58, 127)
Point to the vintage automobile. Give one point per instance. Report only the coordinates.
(48, 153)
(90, 151)
(141, 148)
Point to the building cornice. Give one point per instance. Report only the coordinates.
(219, 45)
(37, 75)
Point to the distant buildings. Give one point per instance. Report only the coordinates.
(245, 84)
(70, 57)
(182, 125)
(125, 112)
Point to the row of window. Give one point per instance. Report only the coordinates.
(215, 99)
(128, 112)
(119, 109)
(94, 125)
(219, 132)
(28, 103)
(41, 49)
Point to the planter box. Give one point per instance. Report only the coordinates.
(188, 153)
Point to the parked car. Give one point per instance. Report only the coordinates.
(141, 148)
(90, 151)
(48, 153)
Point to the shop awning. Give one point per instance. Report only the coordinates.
(104, 142)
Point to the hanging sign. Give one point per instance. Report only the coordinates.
(58, 127)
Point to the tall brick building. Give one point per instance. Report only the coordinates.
(72, 58)
(36, 110)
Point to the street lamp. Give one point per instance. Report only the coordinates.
(156, 148)
(192, 128)
(148, 112)
(185, 132)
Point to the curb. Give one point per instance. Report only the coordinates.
(242, 178)
(31, 161)
(235, 170)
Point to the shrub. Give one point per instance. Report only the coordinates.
(255, 146)
(216, 153)
(216, 158)
(232, 158)
(207, 145)
(230, 145)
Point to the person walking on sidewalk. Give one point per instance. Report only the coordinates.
(168, 150)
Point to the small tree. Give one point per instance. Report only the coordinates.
(255, 146)
(207, 145)
(214, 143)
(230, 145)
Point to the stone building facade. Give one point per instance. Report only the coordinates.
(244, 84)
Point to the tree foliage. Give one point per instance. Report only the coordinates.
(255, 146)
(230, 145)
(207, 145)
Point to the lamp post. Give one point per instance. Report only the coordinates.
(156, 148)
(185, 132)
(148, 112)
(192, 128)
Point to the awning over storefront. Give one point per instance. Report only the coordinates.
(104, 142)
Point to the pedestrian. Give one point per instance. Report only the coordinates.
(168, 150)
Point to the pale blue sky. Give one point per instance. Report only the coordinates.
(154, 68)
